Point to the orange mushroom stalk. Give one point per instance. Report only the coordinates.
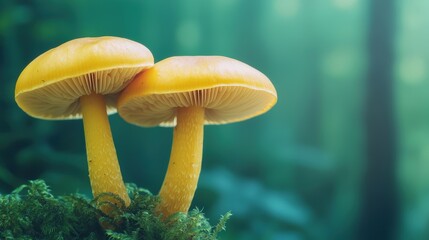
(80, 79)
(184, 167)
(189, 92)
(103, 165)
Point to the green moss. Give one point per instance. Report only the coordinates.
(32, 212)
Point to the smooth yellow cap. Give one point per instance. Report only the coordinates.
(50, 86)
(228, 89)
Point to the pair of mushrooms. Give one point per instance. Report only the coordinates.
(90, 78)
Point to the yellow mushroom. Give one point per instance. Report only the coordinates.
(188, 92)
(81, 79)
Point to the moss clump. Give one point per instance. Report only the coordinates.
(32, 212)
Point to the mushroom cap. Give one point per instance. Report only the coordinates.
(50, 86)
(228, 89)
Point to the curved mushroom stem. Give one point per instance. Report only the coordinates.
(184, 168)
(104, 172)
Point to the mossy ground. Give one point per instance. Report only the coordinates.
(32, 212)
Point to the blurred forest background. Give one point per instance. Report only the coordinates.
(343, 154)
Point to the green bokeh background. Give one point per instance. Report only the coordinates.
(343, 154)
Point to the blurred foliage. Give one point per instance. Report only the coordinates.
(294, 173)
(32, 212)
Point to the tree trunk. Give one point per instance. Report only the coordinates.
(379, 194)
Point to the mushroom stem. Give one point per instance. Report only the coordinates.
(104, 172)
(184, 168)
